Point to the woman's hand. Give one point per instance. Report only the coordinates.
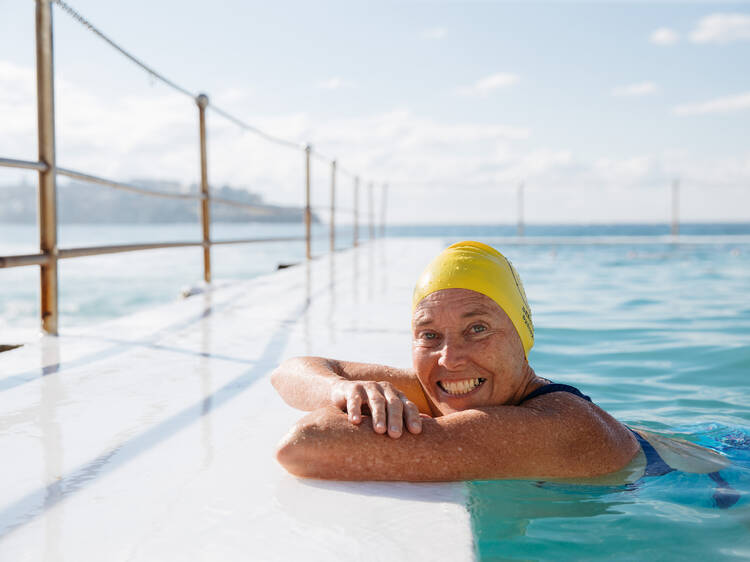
(389, 407)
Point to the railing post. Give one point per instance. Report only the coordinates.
(356, 211)
(308, 214)
(370, 211)
(383, 202)
(45, 99)
(202, 102)
(333, 206)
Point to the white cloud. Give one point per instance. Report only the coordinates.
(722, 28)
(335, 83)
(435, 33)
(664, 36)
(726, 104)
(232, 95)
(489, 84)
(17, 112)
(633, 90)
(439, 171)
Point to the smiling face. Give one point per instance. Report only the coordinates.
(466, 352)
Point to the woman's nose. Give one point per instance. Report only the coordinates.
(452, 355)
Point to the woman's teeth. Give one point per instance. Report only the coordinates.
(460, 387)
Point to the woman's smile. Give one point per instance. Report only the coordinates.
(461, 387)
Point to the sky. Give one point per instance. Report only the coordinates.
(596, 108)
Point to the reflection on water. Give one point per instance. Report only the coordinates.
(204, 369)
(676, 513)
(504, 509)
(52, 392)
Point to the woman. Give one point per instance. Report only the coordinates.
(472, 407)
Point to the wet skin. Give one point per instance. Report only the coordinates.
(461, 406)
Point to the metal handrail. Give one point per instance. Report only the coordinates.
(127, 186)
(11, 163)
(120, 248)
(28, 259)
(48, 171)
(254, 240)
(261, 210)
(67, 253)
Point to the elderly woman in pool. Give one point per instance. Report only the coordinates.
(471, 407)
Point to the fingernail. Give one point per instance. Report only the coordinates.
(394, 429)
(355, 418)
(380, 425)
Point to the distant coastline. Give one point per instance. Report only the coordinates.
(89, 204)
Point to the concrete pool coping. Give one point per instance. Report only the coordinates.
(151, 437)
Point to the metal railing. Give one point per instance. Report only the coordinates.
(49, 253)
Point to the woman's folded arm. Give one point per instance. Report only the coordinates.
(483, 443)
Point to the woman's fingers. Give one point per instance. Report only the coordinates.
(395, 411)
(411, 416)
(354, 404)
(391, 410)
(376, 401)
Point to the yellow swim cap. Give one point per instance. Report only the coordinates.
(481, 268)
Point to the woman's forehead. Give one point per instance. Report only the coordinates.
(458, 303)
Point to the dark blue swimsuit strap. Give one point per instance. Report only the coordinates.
(555, 387)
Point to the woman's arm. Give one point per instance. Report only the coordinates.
(393, 396)
(561, 440)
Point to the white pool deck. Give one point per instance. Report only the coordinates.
(152, 437)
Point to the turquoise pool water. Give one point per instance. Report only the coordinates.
(659, 336)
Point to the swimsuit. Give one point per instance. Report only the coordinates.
(724, 496)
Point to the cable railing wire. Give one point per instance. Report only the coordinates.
(88, 25)
(72, 12)
(50, 253)
(158, 76)
(126, 186)
(246, 126)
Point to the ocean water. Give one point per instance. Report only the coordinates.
(659, 336)
(656, 331)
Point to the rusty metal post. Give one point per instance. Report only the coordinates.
(333, 206)
(356, 211)
(202, 102)
(308, 214)
(371, 212)
(675, 207)
(45, 100)
(383, 203)
(520, 208)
